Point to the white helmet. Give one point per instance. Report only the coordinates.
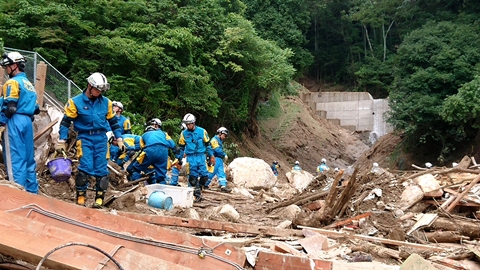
(156, 121)
(99, 81)
(12, 58)
(118, 104)
(297, 162)
(222, 130)
(189, 119)
(324, 161)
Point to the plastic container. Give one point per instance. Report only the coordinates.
(159, 199)
(60, 169)
(182, 196)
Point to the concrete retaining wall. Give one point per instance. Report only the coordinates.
(354, 110)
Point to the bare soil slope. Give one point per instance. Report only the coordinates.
(300, 134)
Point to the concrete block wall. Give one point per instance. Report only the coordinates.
(354, 110)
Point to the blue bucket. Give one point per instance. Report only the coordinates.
(159, 199)
(60, 169)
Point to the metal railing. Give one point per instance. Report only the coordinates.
(58, 88)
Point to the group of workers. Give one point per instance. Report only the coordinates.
(93, 115)
(320, 168)
(149, 152)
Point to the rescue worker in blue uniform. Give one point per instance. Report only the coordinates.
(175, 167)
(323, 166)
(275, 165)
(132, 145)
(155, 144)
(194, 144)
(297, 166)
(17, 113)
(220, 156)
(92, 115)
(123, 122)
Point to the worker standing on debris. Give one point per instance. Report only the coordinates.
(297, 166)
(92, 115)
(17, 114)
(155, 144)
(194, 144)
(275, 165)
(220, 156)
(123, 122)
(323, 166)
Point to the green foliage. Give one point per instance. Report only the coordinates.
(231, 149)
(270, 108)
(464, 107)
(432, 63)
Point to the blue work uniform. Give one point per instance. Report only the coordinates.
(194, 144)
(175, 173)
(219, 170)
(274, 169)
(124, 123)
(322, 167)
(17, 143)
(91, 118)
(155, 145)
(297, 168)
(132, 144)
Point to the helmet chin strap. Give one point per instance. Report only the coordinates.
(11, 74)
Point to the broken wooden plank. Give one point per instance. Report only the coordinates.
(424, 221)
(373, 239)
(286, 248)
(30, 240)
(277, 261)
(349, 220)
(122, 231)
(453, 192)
(45, 129)
(459, 197)
(212, 225)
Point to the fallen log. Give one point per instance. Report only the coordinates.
(459, 197)
(445, 237)
(463, 227)
(299, 200)
(373, 239)
(382, 252)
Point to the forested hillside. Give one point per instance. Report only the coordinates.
(221, 59)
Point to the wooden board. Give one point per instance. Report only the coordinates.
(277, 261)
(30, 241)
(212, 225)
(13, 199)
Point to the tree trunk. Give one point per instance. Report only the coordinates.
(463, 227)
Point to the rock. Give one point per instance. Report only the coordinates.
(410, 196)
(291, 211)
(228, 212)
(429, 185)
(243, 191)
(415, 262)
(299, 179)
(252, 173)
(284, 225)
(191, 213)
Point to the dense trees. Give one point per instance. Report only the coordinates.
(219, 58)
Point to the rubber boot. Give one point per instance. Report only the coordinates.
(225, 189)
(81, 197)
(99, 195)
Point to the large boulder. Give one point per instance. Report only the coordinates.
(299, 179)
(251, 173)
